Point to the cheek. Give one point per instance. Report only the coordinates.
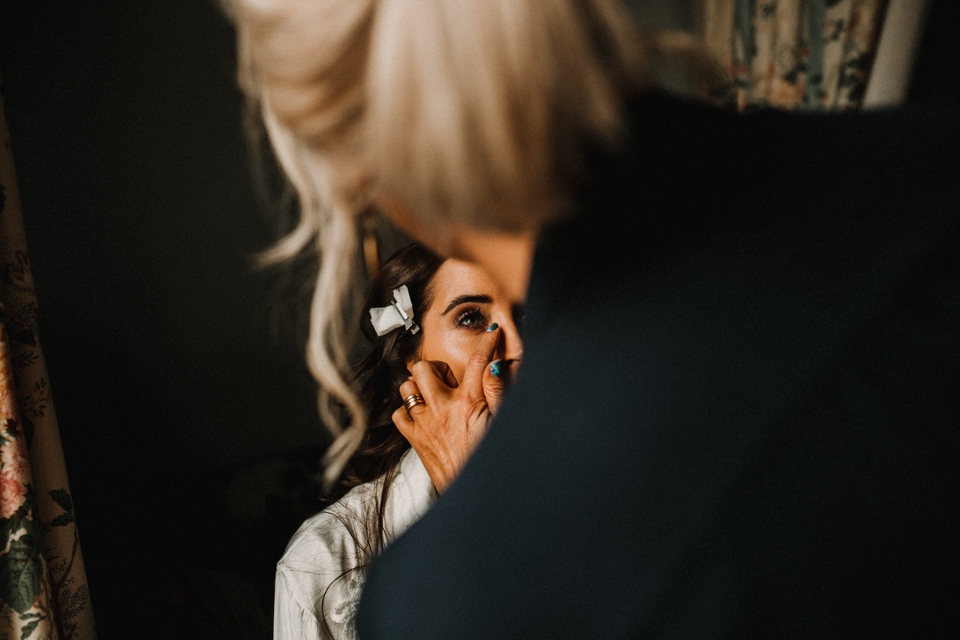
(451, 346)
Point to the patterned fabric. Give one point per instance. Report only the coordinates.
(43, 584)
(795, 54)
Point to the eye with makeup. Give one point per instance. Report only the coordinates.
(471, 318)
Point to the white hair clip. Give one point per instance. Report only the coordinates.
(398, 314)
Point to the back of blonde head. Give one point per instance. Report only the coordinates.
(468, 112)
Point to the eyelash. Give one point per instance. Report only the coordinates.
(467, 313)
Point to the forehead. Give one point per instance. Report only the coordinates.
(456, 278)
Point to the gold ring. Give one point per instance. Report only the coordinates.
(411, 401)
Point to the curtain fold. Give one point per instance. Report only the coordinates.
(794, 54)
(43, 584)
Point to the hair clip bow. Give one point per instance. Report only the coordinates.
(397, 314)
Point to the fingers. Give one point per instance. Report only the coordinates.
(495, 378)
(403, 422)
(410, 390)
(479, 362)
(494, 384)
(445, 373)
(432, 378)
(404, 417)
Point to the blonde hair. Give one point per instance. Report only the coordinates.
(470, 112)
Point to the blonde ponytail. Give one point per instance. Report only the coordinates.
(469, 112)
(479, 110)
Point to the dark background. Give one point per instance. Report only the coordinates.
(188, 418)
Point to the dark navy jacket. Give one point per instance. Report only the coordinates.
(739, 409)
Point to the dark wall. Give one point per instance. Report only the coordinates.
(175, 365)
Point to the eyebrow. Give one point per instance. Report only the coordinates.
(470, 298)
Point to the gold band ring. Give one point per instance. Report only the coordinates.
(411, 401)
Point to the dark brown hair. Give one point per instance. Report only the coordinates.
(378, 378)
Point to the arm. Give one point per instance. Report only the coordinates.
(317, 592)
(291, 620)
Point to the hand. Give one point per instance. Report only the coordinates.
(447, 428)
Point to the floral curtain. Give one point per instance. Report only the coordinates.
(795, 54)
(43, 584)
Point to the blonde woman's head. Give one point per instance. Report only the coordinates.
(466, 112)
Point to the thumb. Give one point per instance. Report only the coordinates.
(494, 378)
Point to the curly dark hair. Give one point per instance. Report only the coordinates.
(379, 376)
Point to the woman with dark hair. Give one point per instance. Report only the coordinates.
(421, 308)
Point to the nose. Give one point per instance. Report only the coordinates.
(512, 344)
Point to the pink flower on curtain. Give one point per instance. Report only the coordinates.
(14, 474)
(12, 493)
(43, 585)
(24, 586)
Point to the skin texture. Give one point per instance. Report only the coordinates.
(454, 371)
(506, 257)
(465, 302)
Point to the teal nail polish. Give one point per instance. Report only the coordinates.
(496, 368)
(492, 327)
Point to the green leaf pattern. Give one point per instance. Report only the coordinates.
(43, 586)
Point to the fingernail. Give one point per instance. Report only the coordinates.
(496, 368)
(493, 327)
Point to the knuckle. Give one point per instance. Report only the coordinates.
(401, 416)
(479, 359)
(420, 367)
(416, 410)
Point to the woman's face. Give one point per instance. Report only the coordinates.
(465, 302)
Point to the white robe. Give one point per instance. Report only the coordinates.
(310, 584)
